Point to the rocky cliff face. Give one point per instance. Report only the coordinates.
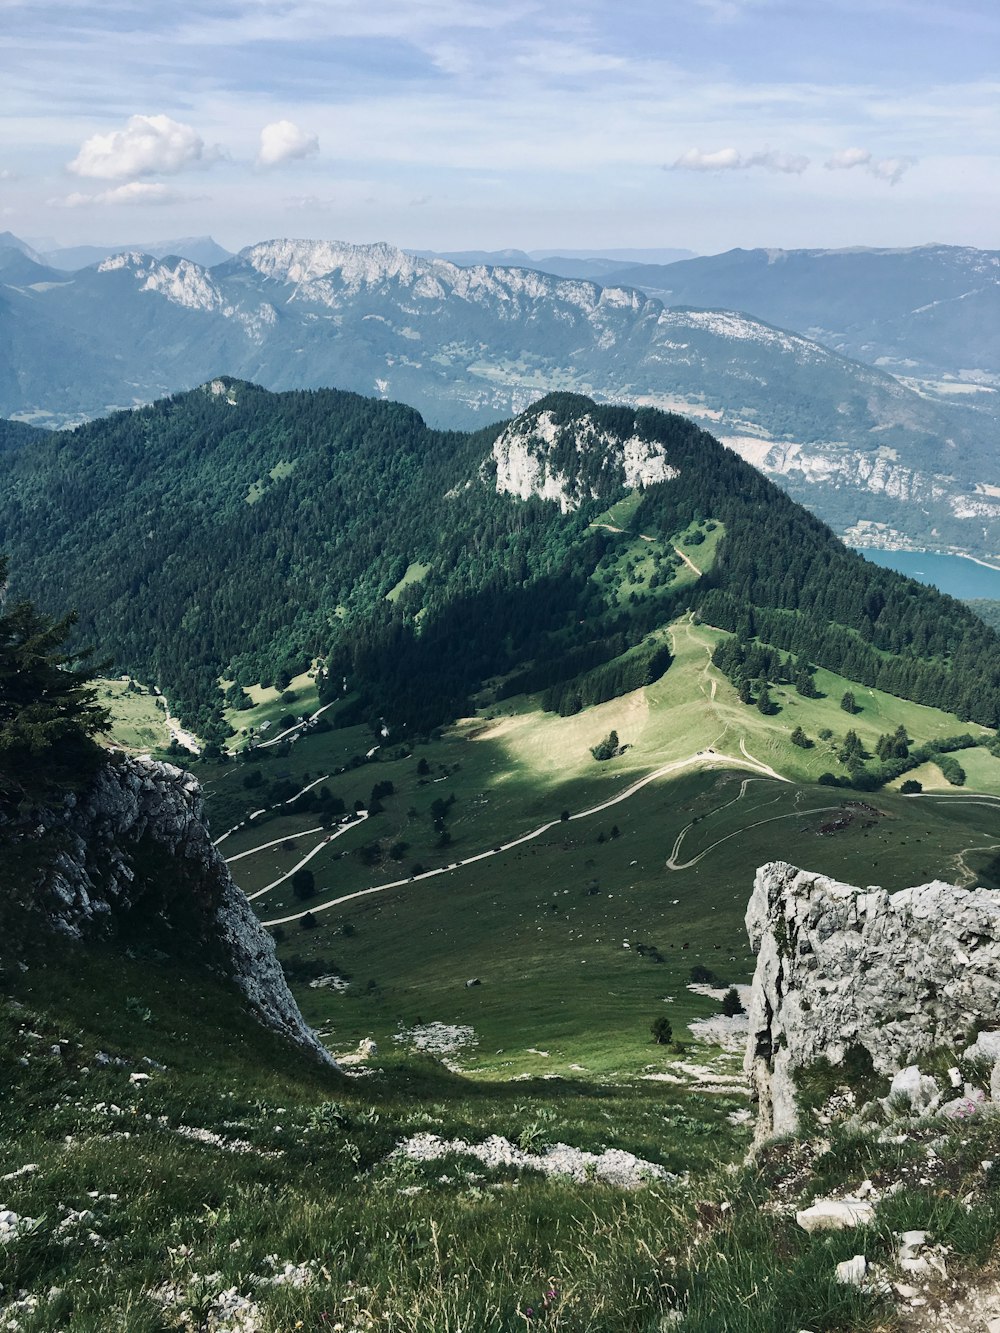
(536, 455)
(840, 967)
(131, 858)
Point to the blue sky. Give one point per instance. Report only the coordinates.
(467, 123)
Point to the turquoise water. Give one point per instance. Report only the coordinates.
(953, 574)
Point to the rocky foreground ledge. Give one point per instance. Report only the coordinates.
(843, 971)
(131, 858)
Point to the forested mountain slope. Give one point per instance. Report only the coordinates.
(468, 345)
(237, 533)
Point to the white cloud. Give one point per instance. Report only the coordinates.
(147, 146)
(845, 158)
(730, 159)
(283, 141)
(889, 169)
(135, 192)
(789, 164)
(725, 159)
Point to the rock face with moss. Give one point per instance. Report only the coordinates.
(845, 973)
(129, 858)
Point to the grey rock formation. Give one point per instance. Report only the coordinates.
(132, 856)
(840, 967)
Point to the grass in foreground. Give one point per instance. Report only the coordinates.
(298, 1208)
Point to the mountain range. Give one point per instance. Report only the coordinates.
(926, 313)
(234, 533)
(470, 345)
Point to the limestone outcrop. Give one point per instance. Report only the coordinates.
(130, 857)
(839, 967)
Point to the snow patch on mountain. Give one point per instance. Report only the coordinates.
(526, 459)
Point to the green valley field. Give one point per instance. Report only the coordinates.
(583, 933)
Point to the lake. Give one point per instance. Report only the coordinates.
(953, 574)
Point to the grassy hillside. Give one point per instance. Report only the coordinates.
(168, 1163)
(544, 925)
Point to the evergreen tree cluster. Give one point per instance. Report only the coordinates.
(629, 672)
(49, 711)
(753, 666)
(202, 538)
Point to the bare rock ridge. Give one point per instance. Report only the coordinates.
(531, 459)
(841, 968)
(131, 857)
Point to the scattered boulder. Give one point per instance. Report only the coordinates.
(367, 1048)
(919, 1091)
(836, 1215)
(852, 1271)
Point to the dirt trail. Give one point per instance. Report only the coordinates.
(688, 561)
(703, 758)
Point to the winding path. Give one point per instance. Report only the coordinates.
(362, 815)
(709, 757)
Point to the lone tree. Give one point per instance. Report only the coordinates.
(848, 703)
(661, 1030)
(303, 884)
(765, 703)
(731, 1003)
(49, 712)
(607, 749)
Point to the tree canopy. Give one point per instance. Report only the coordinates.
(49, 711)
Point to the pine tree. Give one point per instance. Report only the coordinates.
(48, 708)
(662, 1030)
(765, 703)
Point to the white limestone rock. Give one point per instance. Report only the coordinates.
(852, 1271)
(141, 812)
(836, 1215)
(840, 967)
(919, 1091)
(536, 455)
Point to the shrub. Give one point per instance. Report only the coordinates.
(911, 786)
(303, 884)
(607, 749)
(662, 1031)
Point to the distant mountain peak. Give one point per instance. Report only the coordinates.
(302, 261)
(8, 241)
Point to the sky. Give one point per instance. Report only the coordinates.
(461, 124)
